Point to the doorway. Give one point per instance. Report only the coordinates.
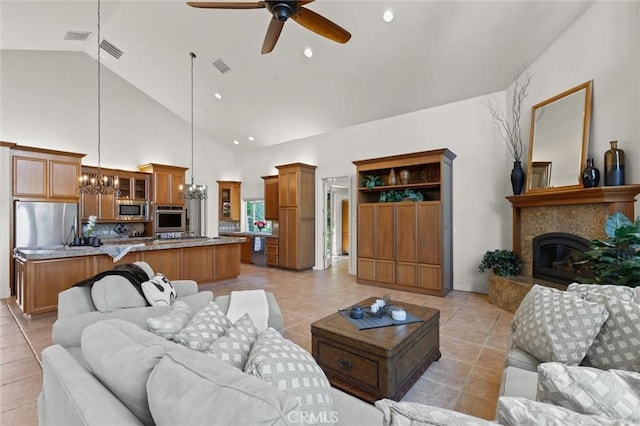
(335, 211)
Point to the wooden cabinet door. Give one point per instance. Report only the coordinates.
(283, 241)
(429, 233)
(288, 241)
(288, 188)
(406, 232)
(29, 177)
(176, 181)
(89, 206)
(271, 204)
(63, 179)
(429, 277)
(226, 261)
(246, 252)
(384, 232)
(386, 271)
(366, 230)
(162, 188)
(107, 207)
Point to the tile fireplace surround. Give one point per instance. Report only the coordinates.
(578, 211)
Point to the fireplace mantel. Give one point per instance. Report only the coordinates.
(613, 198)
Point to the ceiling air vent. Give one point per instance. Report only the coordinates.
(110, 49)
(221, 66)
(77, 35)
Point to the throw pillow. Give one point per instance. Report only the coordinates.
(169, 324)
(235, 345)
(553, 325)
(614, 394)
(415, 414)
(203, 328)
(122, 355)
(192, 388)
(621, 292)
(524, 412)
(618, 343)
(289, 368)
(114, 292)
(159, 291)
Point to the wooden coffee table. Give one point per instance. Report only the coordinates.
(380, 362)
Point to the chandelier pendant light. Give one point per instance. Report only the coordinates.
(97, 183)
(193, 191)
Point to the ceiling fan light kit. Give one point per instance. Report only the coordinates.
(281, 12)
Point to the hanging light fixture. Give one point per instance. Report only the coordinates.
(193, 191)
(97, 183)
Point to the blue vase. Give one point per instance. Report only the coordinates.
(517, 178)
(590, 175)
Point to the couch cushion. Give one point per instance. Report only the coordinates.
(614, 394)
(524, 412)
(617, 345)
(115, 292)
(159, 291)
(518, 382)
(289, 368)
(122, 355)
(207, 325)
(553, 325)
(235, 345)
(415, 414)
(192, 388)
(621, 292)
(169, 324)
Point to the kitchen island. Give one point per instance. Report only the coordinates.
(42, 273)
(267, 255)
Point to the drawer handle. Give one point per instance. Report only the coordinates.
(345, 365)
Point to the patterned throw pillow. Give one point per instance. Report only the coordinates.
(621, 292)
(234, 347)
(203, 328)
(159, 291)
(614, 394)
(415, 414)
(553, 325)
(289, 368)
(618, 343)
(169, 324)
(524, 412)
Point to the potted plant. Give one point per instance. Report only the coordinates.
(504, 263)
(371, 181)
(615, 260)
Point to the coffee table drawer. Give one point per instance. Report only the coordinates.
(361, 369)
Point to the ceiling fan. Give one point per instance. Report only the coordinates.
(281, 11)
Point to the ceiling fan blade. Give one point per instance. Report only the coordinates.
(273, 33)
(321, 25)
(226, 5)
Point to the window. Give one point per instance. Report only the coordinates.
(255, 212)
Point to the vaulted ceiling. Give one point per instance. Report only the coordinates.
(432, 53)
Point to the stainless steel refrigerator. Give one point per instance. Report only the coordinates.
(44, 224)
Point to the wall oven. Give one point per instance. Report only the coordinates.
(132, 210)
(169, 219)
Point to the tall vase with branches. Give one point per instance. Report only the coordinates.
(509, 125)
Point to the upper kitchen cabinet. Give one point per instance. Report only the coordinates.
(229, 200)
(295, 181)
(45, 174)
(271, 202)
(102, 206)
(133, 186)
(167, 183)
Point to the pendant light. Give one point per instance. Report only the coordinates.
(97, 183)
(193, 191)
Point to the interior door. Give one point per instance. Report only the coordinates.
(327, 232)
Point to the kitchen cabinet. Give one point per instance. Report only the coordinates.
(102, 206)
(296, 242)
(271, 251)
(271, 197)
(246, 250)
(45, 174)
(133, 186)
(229, 200)
(407, 244)
(167, 183)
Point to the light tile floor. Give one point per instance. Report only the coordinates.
(473, 338)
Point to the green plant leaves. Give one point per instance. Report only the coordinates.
(394, 196)
(504, 263)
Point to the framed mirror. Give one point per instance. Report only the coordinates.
(558, 140)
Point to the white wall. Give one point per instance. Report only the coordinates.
(49, 100)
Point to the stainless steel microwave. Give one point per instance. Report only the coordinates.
(169, 219)
(132, 210)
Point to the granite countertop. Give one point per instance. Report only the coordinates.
(249, 234)
(133, 245)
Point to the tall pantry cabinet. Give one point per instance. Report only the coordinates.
(405, 243)
(296, 212)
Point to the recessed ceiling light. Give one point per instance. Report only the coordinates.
(217, 95)
(308, 52)
(387, 16)
(236, 143)
(251, 138)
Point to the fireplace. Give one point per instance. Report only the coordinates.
(555, 255)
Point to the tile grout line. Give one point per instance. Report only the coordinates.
(24, 334)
